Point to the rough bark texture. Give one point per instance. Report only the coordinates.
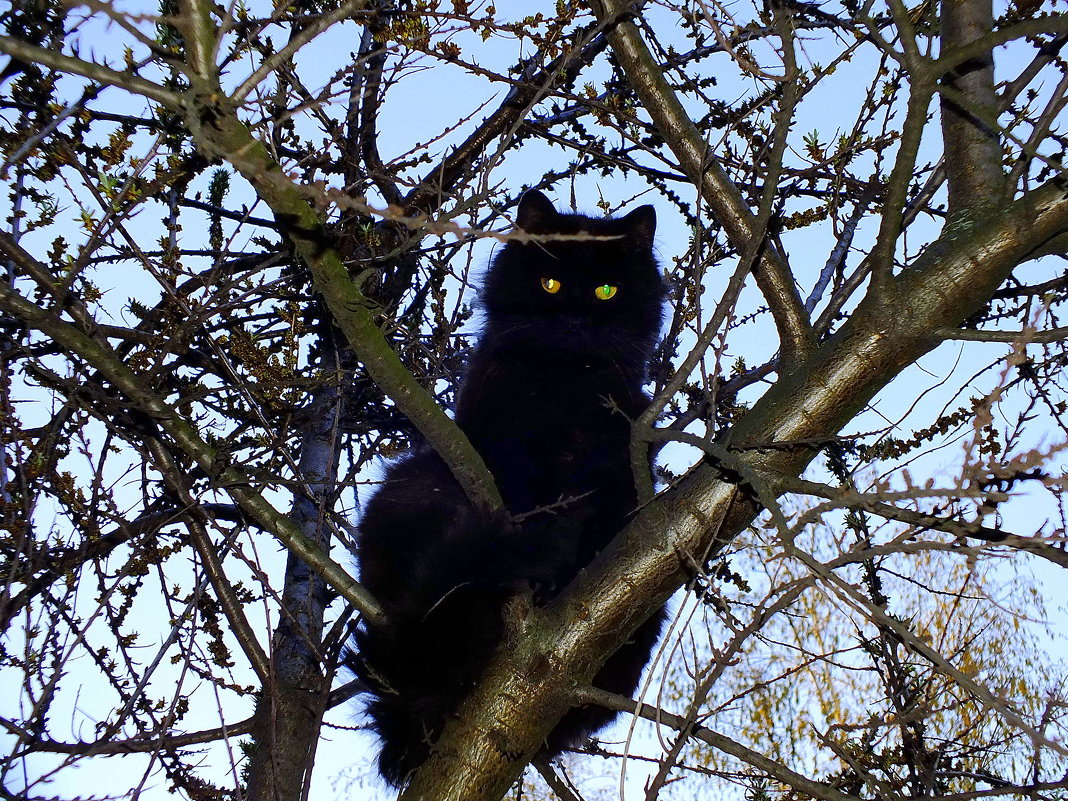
(289, 715)
(974, 172)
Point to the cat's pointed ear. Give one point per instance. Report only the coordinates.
(536, 212)
(641, 224)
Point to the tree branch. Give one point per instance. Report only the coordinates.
(528, 90)
(704, 170)
(196, 521)
(971, 48)
(528, 685)
(960, 528)
(974, 174)
(1025, 337)
(991, 699)
(311, 27)
(52, 564)
(220, 133)
(892, 218)
(620, 703)
(223, 474)
(52, 59)
(141, 745)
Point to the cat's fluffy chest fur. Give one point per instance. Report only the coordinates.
(523, 416)
(547, 399)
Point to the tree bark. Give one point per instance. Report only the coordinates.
(289, 713)
(975, 175)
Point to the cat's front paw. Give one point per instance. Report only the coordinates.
(550, 563)
(542, 593)
(540, 582)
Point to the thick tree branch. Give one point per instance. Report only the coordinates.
(220, 133)
(974, 173)
(200, 36)
(561, 646)
(695, 158)
(967, 49)
(289, 716)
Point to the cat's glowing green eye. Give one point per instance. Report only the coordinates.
(605, 291)
(550, 285)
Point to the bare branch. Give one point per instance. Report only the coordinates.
(972, 335)
(141, 745)
(521, 98)
(311, 28)
(703, 169)
(225, 475)
(87, 69)
(961, 528)
(592, 695)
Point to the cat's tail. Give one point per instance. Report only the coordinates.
(418, 670)
(406, 706)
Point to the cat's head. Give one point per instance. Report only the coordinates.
(599, 291)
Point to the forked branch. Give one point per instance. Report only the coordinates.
(701, 166)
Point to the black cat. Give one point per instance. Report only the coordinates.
(547, 400)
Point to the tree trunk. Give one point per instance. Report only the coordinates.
(289, 713)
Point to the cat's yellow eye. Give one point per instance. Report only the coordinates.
(605, 291)
(550, 285)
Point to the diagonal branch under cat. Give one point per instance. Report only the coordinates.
(571, 313)
(491, 738)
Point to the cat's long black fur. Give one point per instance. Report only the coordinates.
(547, 399)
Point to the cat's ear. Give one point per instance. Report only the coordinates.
(536, 212)
(641, 224)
